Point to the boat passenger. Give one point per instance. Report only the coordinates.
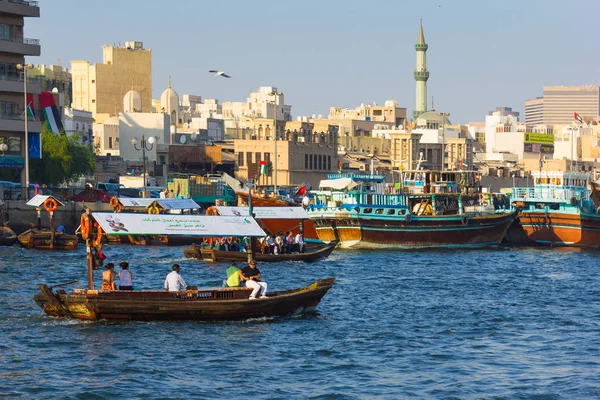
(289, 242)
(125, 277)
(108, 278)
(299, 243)
(233, 277)
(251, 275)
(174, 282)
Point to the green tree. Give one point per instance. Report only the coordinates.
(63, 158)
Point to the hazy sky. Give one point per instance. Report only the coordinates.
(482, 54)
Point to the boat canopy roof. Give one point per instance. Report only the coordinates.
(338, 184)
(171, 224)
(167, 204)
(265, 212)
(39, 199)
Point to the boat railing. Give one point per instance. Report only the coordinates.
(548, 194)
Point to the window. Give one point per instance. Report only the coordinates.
(306, 161)
(93, 81)
(110, 142)
(391, 211)
(249, 158)
(5, 32)
(310, 161)
(257, 157)
(320, 167)
(240, 159)
(379, 211)
(328, 163)
(268, 160)
(367, 210)
(93, 100)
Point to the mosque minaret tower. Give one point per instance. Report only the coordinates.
(421, 75)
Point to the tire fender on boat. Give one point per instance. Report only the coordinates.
(464, 220)
(408, 217)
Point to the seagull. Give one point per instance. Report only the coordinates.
(219, 73)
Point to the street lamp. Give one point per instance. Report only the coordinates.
(145, 144)
(444, 115)
(274, 102)
(25, 67)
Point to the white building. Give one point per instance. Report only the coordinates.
(266, 103)
(78, 121)
(106, 137)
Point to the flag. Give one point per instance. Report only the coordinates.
(301, 191)
(263, 167)
(51, 115)
(30, 111)
(578, 117)
(460, 162)
(340, 165)
(178, 188)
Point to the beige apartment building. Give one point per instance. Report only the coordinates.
(389, 113)
(13, 49)
(559, 103)
(307, 153)
(100, 88)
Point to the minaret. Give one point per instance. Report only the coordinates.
(421, 75)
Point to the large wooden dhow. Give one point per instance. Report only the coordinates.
(47, 239)
(366, 218)
(558, 210)
(190, 304)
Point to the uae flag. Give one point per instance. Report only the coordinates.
(263, 167)
(30, 111)
(578, 117)
(51, 115)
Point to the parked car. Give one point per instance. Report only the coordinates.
(11, 190)
(91, 195)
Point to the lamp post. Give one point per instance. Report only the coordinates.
(274, 102)
(444, 116)
(25, 67)
(145, 144)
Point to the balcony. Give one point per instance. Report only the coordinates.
(14, 84)
(23, 8)
(16, 123)
(25, 46)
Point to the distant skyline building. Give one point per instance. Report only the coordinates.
(421, 75)
(100, 88)
(505, 111)
(559, 103)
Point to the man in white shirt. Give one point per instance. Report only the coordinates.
(299, 242)
(174, 282)
(305, 201)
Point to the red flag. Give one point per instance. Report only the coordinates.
(178, 188)
(301, 190)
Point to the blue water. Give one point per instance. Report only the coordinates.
(493, 323)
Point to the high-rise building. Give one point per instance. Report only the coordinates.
(421, 75)
(14, 46)
(100, 88)
(559, 104)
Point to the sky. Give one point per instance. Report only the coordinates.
(321, 54)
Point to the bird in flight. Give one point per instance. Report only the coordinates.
(219, 73)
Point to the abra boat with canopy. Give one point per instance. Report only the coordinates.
(191, 304)
(311, 252)
(47, 239)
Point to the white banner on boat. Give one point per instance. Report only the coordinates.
(266, 212)
(167, 204)
(338, 184)
(169, 224)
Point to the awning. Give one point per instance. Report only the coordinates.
(169, 224)
(266, 212)
(338, 184)
(39, 199)
(177, 204)
(135, 202)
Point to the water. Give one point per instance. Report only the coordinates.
(493, 323)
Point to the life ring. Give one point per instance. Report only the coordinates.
(408, 217)
(119, 208)
(98, 239)
(85, 226)
(50, 204)
(153, 210)
(464, 220)
(114, 202)
(212, 211)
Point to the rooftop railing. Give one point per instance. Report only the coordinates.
(24, 41)
(548, 194)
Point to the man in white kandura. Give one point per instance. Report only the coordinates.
(174, 282)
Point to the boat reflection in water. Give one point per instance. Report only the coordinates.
(426, 209)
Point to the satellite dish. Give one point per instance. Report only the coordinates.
(182, 139)
(54, 90)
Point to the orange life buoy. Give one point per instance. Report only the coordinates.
(119, 208)
(114, 202)
(50, 204)
(85, 226)
(212, 211)
(153, 210)
(98, 239)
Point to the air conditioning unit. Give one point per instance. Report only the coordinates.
(301, 139)
(362, 167)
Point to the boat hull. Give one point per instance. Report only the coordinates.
(202, 305)
(7, 236)
(561, 229)
(418, 232)
(44, 240)
(313, 253)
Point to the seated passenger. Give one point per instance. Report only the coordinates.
(233, 278)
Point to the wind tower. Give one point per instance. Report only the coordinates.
(421, 75)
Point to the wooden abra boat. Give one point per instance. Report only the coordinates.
(193, 304)
(189, 304)
(47, 239)
(7, 236)
(313, 253)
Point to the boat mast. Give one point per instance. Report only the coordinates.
(252, 246)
